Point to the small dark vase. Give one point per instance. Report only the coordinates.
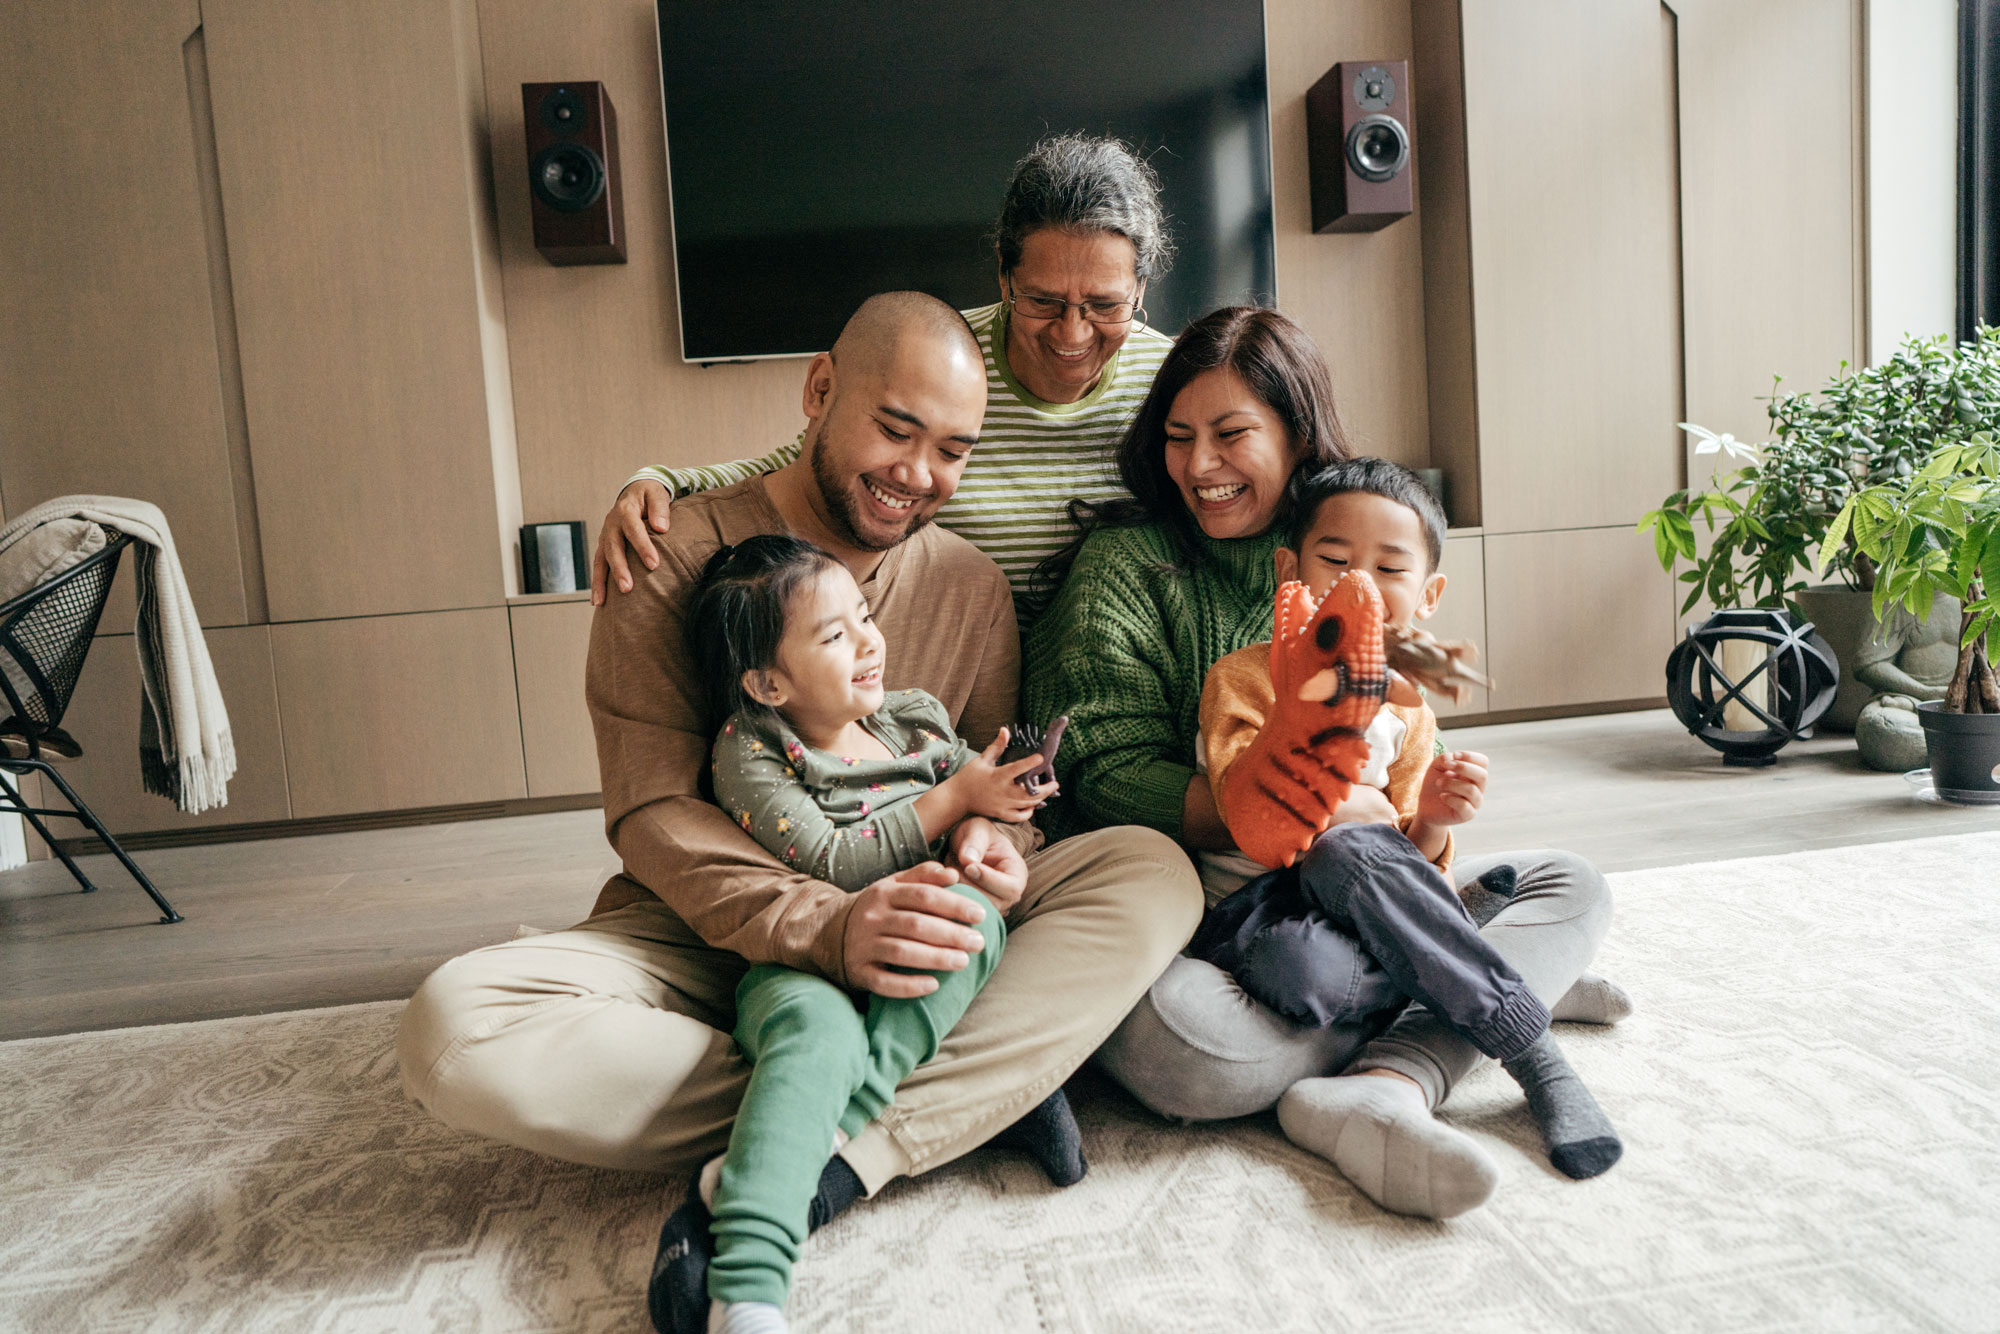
(1965, 754)
(1784, 685)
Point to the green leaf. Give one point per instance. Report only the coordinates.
(1836, 533)
(1680, 533)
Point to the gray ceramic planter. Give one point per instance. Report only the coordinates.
(1843, 618)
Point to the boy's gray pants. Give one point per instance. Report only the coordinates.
(1197, 1048)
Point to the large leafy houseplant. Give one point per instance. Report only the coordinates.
(1938, 531)
(1771, 520)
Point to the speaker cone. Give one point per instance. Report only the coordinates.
(1378, 147)
(567, 177)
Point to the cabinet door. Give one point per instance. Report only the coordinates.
(1577, 617)
(1771, 290)
(109, 379)
(104, 718)
(1575, 260)
(387, 713)
(551, 641)
(341, 140)
(1462, 613)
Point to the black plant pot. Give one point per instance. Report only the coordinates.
(1965, 754)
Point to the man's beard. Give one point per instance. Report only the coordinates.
(844, 510)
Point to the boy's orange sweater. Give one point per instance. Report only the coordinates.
(1236, 698)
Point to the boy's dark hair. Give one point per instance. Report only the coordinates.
(1312, 487)
(737, 614)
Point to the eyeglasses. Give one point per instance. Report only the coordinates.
(1097, 312)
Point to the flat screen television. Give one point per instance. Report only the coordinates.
(819, 154)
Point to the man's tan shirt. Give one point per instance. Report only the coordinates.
(947, 617)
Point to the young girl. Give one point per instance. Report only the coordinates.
(848, 784)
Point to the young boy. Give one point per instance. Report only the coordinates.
(1365, 917)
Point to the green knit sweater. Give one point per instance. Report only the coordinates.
(1123, 650)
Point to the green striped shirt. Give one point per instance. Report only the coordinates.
(1033, 457)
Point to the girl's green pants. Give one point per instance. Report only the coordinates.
(819, 1064)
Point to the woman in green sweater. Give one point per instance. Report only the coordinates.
(1160, 587)
(1068, 359)
(1177, 575)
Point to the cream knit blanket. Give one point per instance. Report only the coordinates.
(185, 751)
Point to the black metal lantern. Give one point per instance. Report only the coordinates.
(1748, 681)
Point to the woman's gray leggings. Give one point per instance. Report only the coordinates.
(1198, 1049)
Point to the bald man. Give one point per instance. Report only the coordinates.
(609, 1043)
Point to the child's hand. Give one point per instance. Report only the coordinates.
(989, 863)
(1453, 789)
(987, 787)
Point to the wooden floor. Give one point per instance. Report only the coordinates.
(336, 918)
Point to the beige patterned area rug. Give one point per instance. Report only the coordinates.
(1810, 1099)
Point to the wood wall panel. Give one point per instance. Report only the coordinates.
(1768, 202)
(386, 713)
(551, 641)
(1462, 613)
(1578, 617)
(1444, 212)
(1360, 295)
(104, 718)
(108, 364)
(599, 385)
(1574, 266)
(340, 139)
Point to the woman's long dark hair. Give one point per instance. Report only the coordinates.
(1283, 367)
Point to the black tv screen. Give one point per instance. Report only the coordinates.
(819, 154)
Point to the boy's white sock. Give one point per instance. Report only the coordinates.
(1381, 1135)
(1593, 1000)
(746, 1318)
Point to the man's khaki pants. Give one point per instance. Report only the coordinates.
(609, 1043)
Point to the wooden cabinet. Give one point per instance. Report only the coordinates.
(109, 376)
(341, 140)
(1568, 278)
(1462, 613)
(388, 713)
(551, 642)
(1770, 238)
(104, 718)
(1576, 618)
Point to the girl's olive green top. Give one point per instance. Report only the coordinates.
(842, 819)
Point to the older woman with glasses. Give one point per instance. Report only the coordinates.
(1068, 361)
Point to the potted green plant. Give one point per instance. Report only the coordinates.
(1938, 532)
(1768, 522)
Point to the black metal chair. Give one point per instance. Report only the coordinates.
(44, 636)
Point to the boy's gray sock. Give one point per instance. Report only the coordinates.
(1593, 1000)
(1486, 896)
(1578, 1134)
(746, 1318)
(1381, 1135)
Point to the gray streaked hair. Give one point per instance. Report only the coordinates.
(1081, 182)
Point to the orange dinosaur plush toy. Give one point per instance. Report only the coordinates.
(1329, 676)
